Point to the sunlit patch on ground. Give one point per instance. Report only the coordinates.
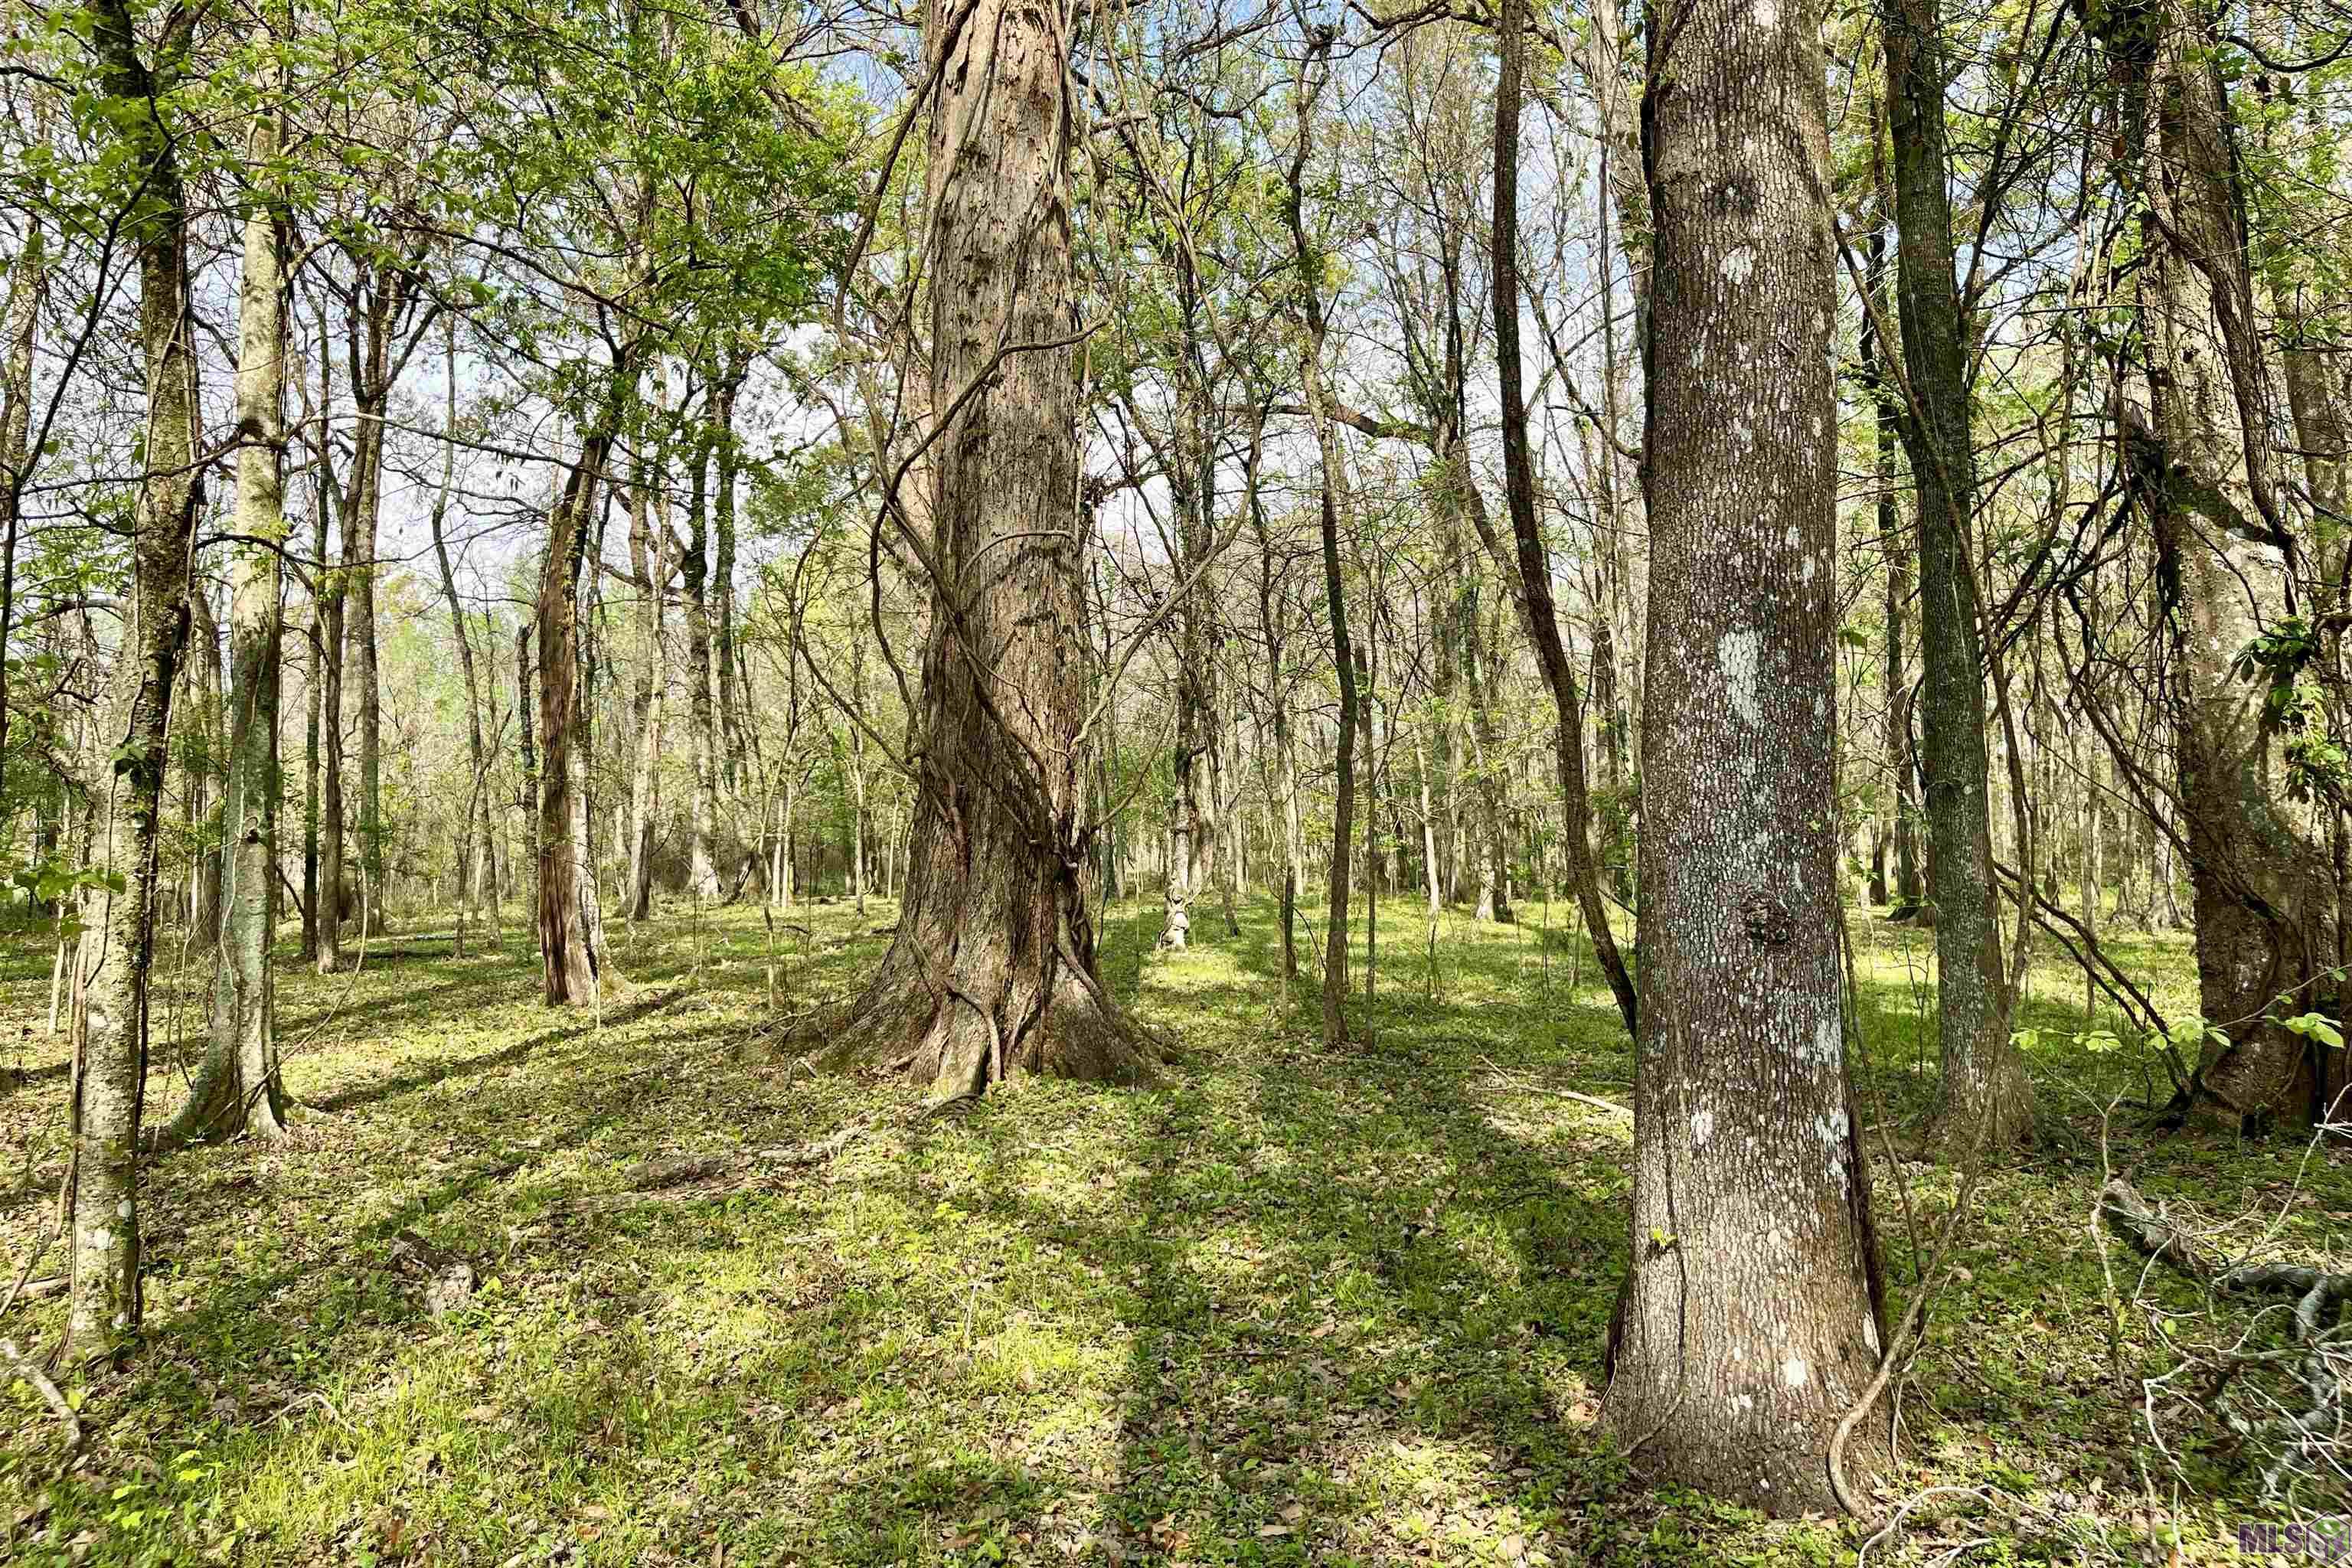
(1290, 1307)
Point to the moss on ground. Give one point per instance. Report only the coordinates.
(1288, 1308)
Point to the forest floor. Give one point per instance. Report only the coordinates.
(1287, 1307)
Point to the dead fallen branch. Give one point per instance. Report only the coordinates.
(23, 1367)
(2320, 1359)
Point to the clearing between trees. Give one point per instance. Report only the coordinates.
(639, 1286)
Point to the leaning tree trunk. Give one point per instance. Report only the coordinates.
(992, 971)
(110, 1063)
(1535, 598)
(1748, 1324)
(2196, 432)
(238, 1089)
(1987, 1098)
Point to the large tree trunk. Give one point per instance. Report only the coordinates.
(1747, 1321)
(2196, 431)
(992, 969)
(1987, 1098)
(571, 957)
(238, 1090)
(110, 1060)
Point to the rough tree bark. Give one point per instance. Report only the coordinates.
(1986, 1097)
(2196, 433)
(992, 971)
(1748, 1323)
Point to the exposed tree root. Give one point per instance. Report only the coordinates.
(960, 1038)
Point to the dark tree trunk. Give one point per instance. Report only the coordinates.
(693, 568)
(2196, 430)
(1747, 1322)
(101, 1201)
(1986, 1097)
(571, 957)
(1538, 610)
(1311, 77)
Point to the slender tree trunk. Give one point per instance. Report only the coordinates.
(238, 1090)
(647, 541)
(372, 377)
(1312, 74)
(693, 570)
(723, 632)
(527, 728)
(1903, 895)
(570, 956)
(198, 732)
(1537, 612)
(28, 286)
(314, 639)
(477, 752)
(110, 1061)
(1986, 1097)
(327, 902)
(1748, 1323)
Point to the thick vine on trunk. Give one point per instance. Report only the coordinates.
(992, 971)
(2196, 433)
